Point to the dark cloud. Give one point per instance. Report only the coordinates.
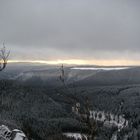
(71, 29)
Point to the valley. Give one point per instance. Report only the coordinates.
(34, 100)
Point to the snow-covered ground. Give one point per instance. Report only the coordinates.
(76, 136)
(109, 119)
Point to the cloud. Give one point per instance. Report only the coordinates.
(71, 29)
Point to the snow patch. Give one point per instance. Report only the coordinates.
(76, 136)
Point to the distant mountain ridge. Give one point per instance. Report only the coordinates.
(81, 75)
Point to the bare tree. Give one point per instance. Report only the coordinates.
(66, 93)
(84, 115)
(4, 54)
(90, 122)
(62, 76)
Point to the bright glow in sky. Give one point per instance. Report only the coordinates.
(83, 62)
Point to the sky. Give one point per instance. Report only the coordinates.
(103, 32)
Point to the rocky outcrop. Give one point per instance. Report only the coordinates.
(7, 134)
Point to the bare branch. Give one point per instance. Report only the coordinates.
(4, 54)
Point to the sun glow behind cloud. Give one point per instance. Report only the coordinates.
(82, 62)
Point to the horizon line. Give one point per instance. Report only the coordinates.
(81, 62)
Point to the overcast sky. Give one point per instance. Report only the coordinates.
(71, 29)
